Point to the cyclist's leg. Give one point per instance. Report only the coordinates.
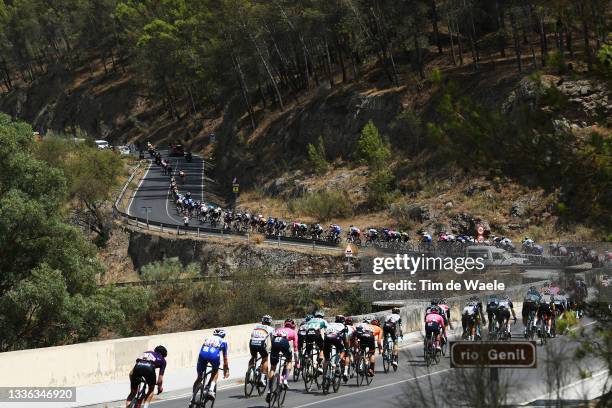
(133, 388)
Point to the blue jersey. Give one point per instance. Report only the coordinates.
(212, 347)
(211, 353)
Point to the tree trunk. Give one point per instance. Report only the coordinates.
(340, 60)
(501, 29)
(244, 89)
(459, 43)
(329, 64)
(517, 41)
(585, 34)
(452, 42)
(543, 42)
(268, 71)
(434, 22)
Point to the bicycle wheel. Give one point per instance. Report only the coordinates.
(337, 375)
(428, 355)
(444, 347)
(274, 384)
(208, 400)
(282, 393)
(396, 360)
(308, 375)
(368, 366)
(297, 371)
(437, 356)
(386, 357)
(249, 382)
(326, 382)
(260, 388)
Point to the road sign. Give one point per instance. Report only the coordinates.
(493, 354)
(235, 187)
(481, 238)
(348, 251)
(480, 230)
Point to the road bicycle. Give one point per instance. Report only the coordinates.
(201, 397)
(363, 366)
(332, 373)
(310, 372)
(431, 352)
(278, 391)
(141, 394)
(530, 329)
(387, 355)
(252, 379)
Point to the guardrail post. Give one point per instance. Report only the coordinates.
(278, 240)
(162, 227)
(198, 232)
(313, 245)
(248, 237)
(178, 231)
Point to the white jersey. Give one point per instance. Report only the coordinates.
(469, 310)
(335, 330)
(393, 318)
(260, 334)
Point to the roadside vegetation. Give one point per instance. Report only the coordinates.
(48, 292)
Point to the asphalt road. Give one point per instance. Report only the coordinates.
(154, 190)
(398, 389)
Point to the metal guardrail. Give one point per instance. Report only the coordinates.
(453, 249)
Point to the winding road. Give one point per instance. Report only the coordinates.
(526, 387)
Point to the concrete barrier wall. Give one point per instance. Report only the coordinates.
(103, 361)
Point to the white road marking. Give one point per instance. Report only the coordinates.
(138, 188)
(168, 195)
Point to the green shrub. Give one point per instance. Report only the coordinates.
(371, 149)
(380, 189)
(605, 59)
(316, 156)
(323, 205)
(556, 60)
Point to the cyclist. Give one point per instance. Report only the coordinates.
(434, 324)
(530, 305)
(502, 313)
(145, 368)
(393, 324)
(211, 351)
(315, 330)
(473, 316)
(259, 345)
(446, 315)
(492, 305)
(336, 335)
(545, 310)
(368, 335)
(301, 336)
(283, 342)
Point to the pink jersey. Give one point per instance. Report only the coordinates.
(289, 333)
(434, 318)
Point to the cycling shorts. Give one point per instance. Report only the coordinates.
(146, 370)
(367, 340)
(528, 307)
(502, 314)
(432, 328)
(280, 345)
(204, 360)
(332, 342)
(258, 348)
(391, 329)
(314, 337)
(544, 313)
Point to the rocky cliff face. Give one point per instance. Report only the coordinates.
(225, 257)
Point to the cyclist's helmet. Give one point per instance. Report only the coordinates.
(340, 319)
(434, 301)
(359, 329)
(375, 322)
(367, 319)
(348, 321)
(267, 319)
(308, 317)
(474, 299)
(290, 323)
(436, 310)
(161, 350)
(219, 332)
(319, 314)
(395, 310)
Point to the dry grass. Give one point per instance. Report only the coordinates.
(131, 189)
